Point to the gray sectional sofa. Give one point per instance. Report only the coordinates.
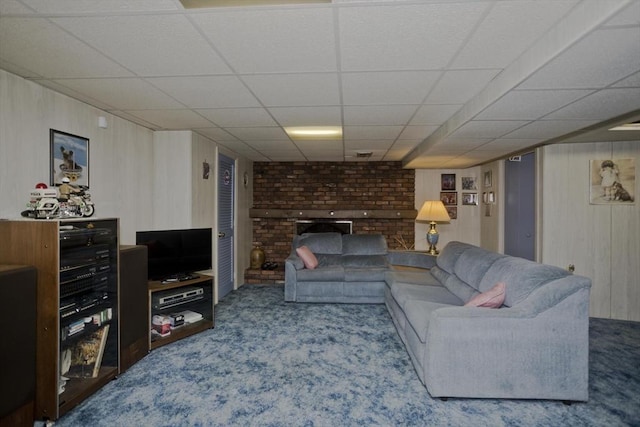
(534, 346)
(351, 269)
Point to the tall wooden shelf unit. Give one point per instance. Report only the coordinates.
(77, 298)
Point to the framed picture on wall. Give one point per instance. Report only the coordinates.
(449, 198)
(69, 158)
(469, 183)
(448, 181)
(452, 211)
(487, 179)
(470, 199)
(612, 181)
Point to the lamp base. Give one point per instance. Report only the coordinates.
(432, 238)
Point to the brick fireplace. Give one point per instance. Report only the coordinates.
(376, 197)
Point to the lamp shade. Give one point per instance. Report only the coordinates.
(433, 210)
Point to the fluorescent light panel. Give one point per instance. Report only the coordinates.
(628, 126)
(204, 4)
(314, 132)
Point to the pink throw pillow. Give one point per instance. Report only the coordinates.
(493, 298)
(308, 258)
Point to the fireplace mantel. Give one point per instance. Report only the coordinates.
(334, 214)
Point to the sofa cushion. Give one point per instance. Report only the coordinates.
(359, 274)
(329, 260)
(521, 277)
(321, 243)
(449, 255)
(493, 298)
(418, 276)
(364, 244)
(405, 292)
(328, 274)
(308, 258)
(472, 265)
(364, 261)
(418, 315)
(460, 288)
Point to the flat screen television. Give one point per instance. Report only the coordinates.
(176, 253)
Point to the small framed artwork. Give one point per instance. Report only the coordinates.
(612, 181)
(487, 179)
(470, 199)
(485, 197)
(452, 211)
(469, 183)
(448, 181)
(69, 158)
(449, 198)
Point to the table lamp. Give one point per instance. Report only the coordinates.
(433, 211)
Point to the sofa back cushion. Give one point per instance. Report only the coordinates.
(320, 243)
(520, 276)
(364, 244)
(472, 265)
(449, 255)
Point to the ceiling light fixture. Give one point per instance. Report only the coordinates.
(204, 4)
(628, 126)
(314, 132)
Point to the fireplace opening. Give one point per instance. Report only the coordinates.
(323, 226)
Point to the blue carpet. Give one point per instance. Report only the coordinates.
(270, 363)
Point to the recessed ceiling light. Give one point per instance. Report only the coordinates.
(204, 4)
(628, 126)
(314, 132)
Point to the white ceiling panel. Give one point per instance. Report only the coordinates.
(598, 60)
(151, 45)
(459, 86)
(122, 94)
(371, 132)
(508, 29)
(261, 41)
(310, 116)
(378, 115)
(402, 87)
(56, 53)
(274, 133)
(172, 119)
(602, 105)
(530, 104)
(206, 91)
(427, 38)
(432, 83)
(434, 114)
(283, 90)
(238, 117)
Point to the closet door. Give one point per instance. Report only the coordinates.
(226, 192)
(520, 223)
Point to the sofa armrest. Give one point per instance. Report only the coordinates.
(292, 264)
(411, 259)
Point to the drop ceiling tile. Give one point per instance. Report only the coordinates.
(148, 45)
(459, 86)
(259, 133)
(434, 114)
(547, 129)
(238, 117)
(51, 84)
(627, 16)
(530, 104)
(217, 134)
(285, 156)
(602, 105)
(508, 145)
(486, 129)
(8, 7)
(286, 90)
(463, 144)
(631, 81)
(48, 51)
(320, 146)
(92, 6)
(509, 29)
(122, 94)
(371, 132)
(417, 132)
(427, 38)
(206, 91)
(273, 145)
(378, 115)
(400, 87)
(598, 60)
(279, 40)
(307, 116)
(172, 119)
(368, 145)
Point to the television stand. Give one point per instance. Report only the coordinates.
(203, 306)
